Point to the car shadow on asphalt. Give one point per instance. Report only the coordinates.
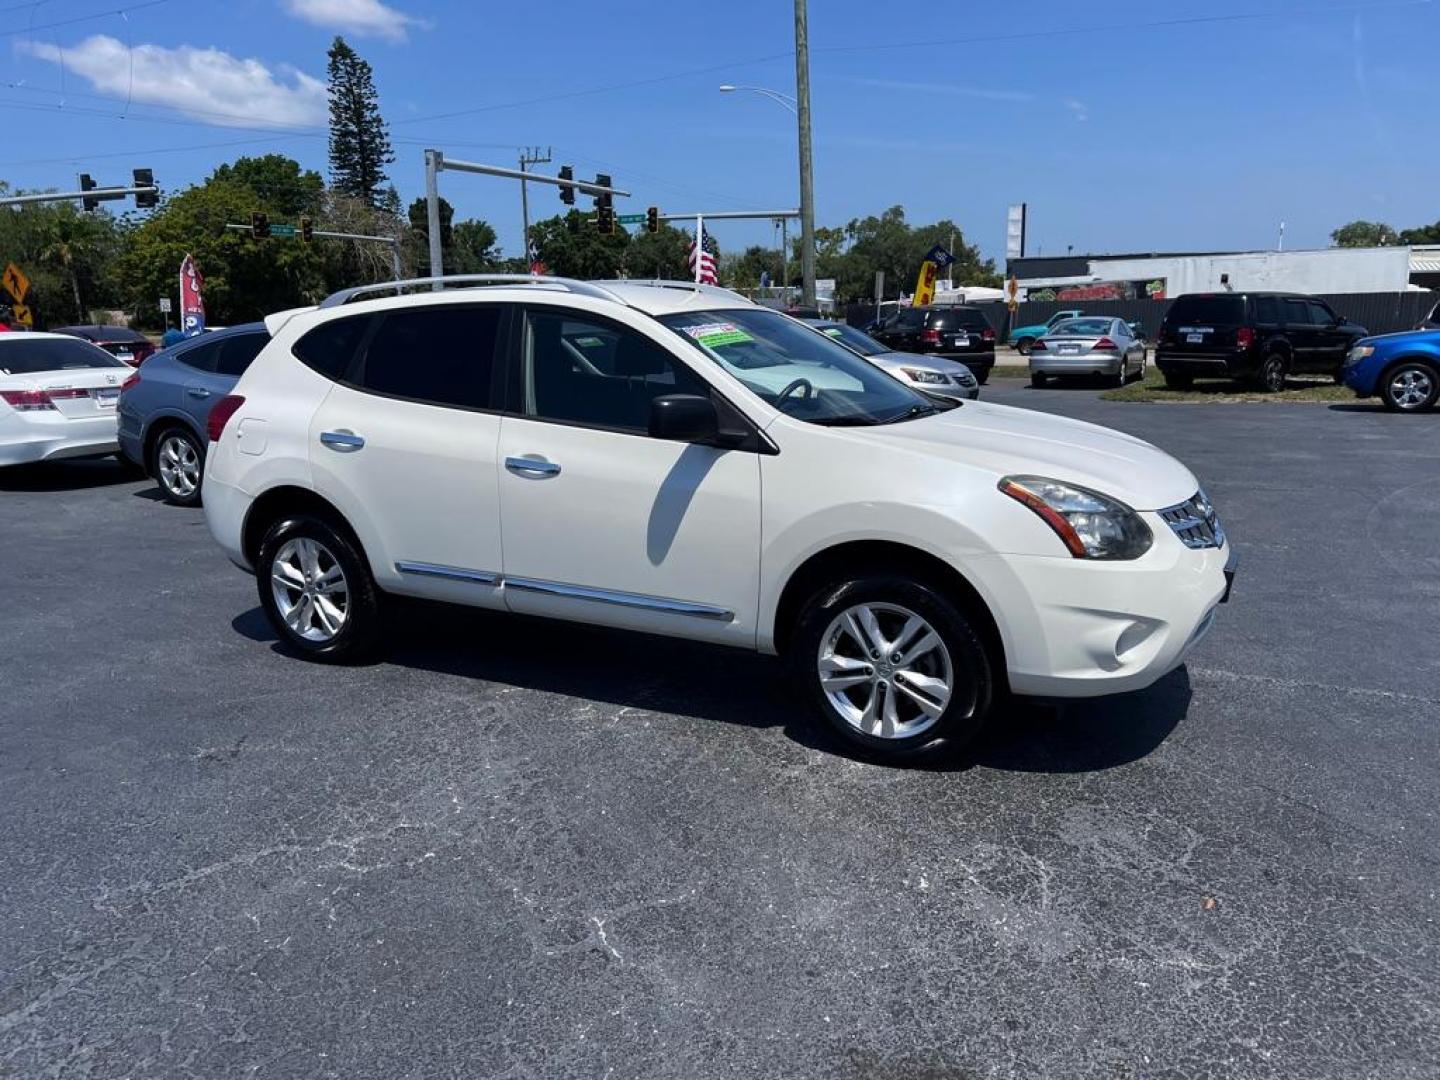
(669, 675)
(65, 475)
(1366, 406)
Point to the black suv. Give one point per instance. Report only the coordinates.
(1258, 336)
(949, 330)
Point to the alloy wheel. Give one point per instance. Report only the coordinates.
(885, 670)
(1410, 388)
(310, 590)
(179, 466)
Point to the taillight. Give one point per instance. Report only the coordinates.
(1103, 344)
(931, 337)
(220, 415)
(1244, 337)
(988, 334)
(143, 353)
(132, 381)
(27, 400)
(1038, 345)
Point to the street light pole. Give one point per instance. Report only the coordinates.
(807, 178)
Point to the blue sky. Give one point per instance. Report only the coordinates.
(1121, 133)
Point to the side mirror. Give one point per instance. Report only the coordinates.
(1341, 320)
(684, 418)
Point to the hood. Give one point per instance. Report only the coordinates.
(1402, 336)
(1011, 442)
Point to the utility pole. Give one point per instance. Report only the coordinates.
(807, 178)
(529, 156)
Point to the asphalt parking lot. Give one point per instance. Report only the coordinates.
(525, 850)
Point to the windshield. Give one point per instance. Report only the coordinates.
(801, 373)
(1081, 328)
(862, 343)
(33, 355)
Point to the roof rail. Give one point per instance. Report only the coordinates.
(693, 286)
(579, 288)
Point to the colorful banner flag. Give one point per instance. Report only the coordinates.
(192, 307)
(925, 284)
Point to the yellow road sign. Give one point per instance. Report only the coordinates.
(15, 282)
(23, 314)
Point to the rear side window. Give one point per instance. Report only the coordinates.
(1207, 311)
(910, 320)
(439, 356)
(331, 346)
(200, 357)
(237, 352)
(1267, 310)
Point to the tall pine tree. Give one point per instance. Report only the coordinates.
(359, 138)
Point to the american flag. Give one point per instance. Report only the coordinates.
(709, 254)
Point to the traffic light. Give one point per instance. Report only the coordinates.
(603, 200)
(259, 224)
(144, 200)
(307, 230)
(567, 190)
(652, 219)
(605, 219)
(87, 184)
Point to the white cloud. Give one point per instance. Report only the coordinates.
(367, 18)
(207, 84)
(1079, 109)
(984, 92)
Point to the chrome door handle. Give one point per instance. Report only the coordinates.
(197, 391)
(532, 466)
(341, 440)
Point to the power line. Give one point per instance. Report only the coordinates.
(81, 18)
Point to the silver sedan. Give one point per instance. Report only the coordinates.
(1092, 345)
(929, 374)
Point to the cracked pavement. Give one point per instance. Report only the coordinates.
(519, 849)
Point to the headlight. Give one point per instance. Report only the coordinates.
(929, 378)
(1360, 352)
(1091, 525)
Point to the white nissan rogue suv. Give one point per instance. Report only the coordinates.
(670, 458)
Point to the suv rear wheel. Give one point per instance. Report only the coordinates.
(1410, 386)
(893, 665)
(317, 591)
(177, 461)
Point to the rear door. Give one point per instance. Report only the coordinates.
(192, 386)
(404, 445)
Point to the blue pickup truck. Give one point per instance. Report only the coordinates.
(1402, 370)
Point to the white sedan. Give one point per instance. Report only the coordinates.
(57, 398)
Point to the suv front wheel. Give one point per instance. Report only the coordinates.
(317, 591)
(1412, 386)
(893, 666)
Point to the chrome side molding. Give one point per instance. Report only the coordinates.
(453, 573)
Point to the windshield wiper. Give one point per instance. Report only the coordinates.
(847, 421)
(913, 413)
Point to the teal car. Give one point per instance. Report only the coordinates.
(1022, 337)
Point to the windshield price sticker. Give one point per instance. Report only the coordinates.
(713, 335)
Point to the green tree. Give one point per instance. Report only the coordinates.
(476, 248)
(281, 184)
(244, 278)
(743, 271)
(359, 138)
(1364, 234)
(571, 246)
(658, 255)
(67, 254)
(1425, 234)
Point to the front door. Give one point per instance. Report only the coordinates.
(603, 524)
(404, 446)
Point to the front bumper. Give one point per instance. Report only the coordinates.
(1074, 628)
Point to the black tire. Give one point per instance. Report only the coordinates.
(1038, 379)
(970, 669)
(1178, 380)
(360, 633)
(1421, 374)
(982, 375)
(1271, 377)
(174, 490)
(1023, 346)
(1119, 379)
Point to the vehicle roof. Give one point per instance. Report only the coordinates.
(221, 332)
(94, 331)
(36, 335)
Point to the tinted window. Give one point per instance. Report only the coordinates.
(582, 370)
(968, 318)
(331, 346)
(910, 320)
(1296, 312)
(1207, 311)
(1267, 310)
(200, 357)
(26, 357)
(1319, 313)
(237, 352)
(440, 355)
(862, 343)
(1084, 327)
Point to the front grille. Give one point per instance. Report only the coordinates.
(1195, 523)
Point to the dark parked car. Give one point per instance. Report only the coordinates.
(120, 342)
(1257, 336)
(163, 407)
(1431, 321)
(952, 330)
